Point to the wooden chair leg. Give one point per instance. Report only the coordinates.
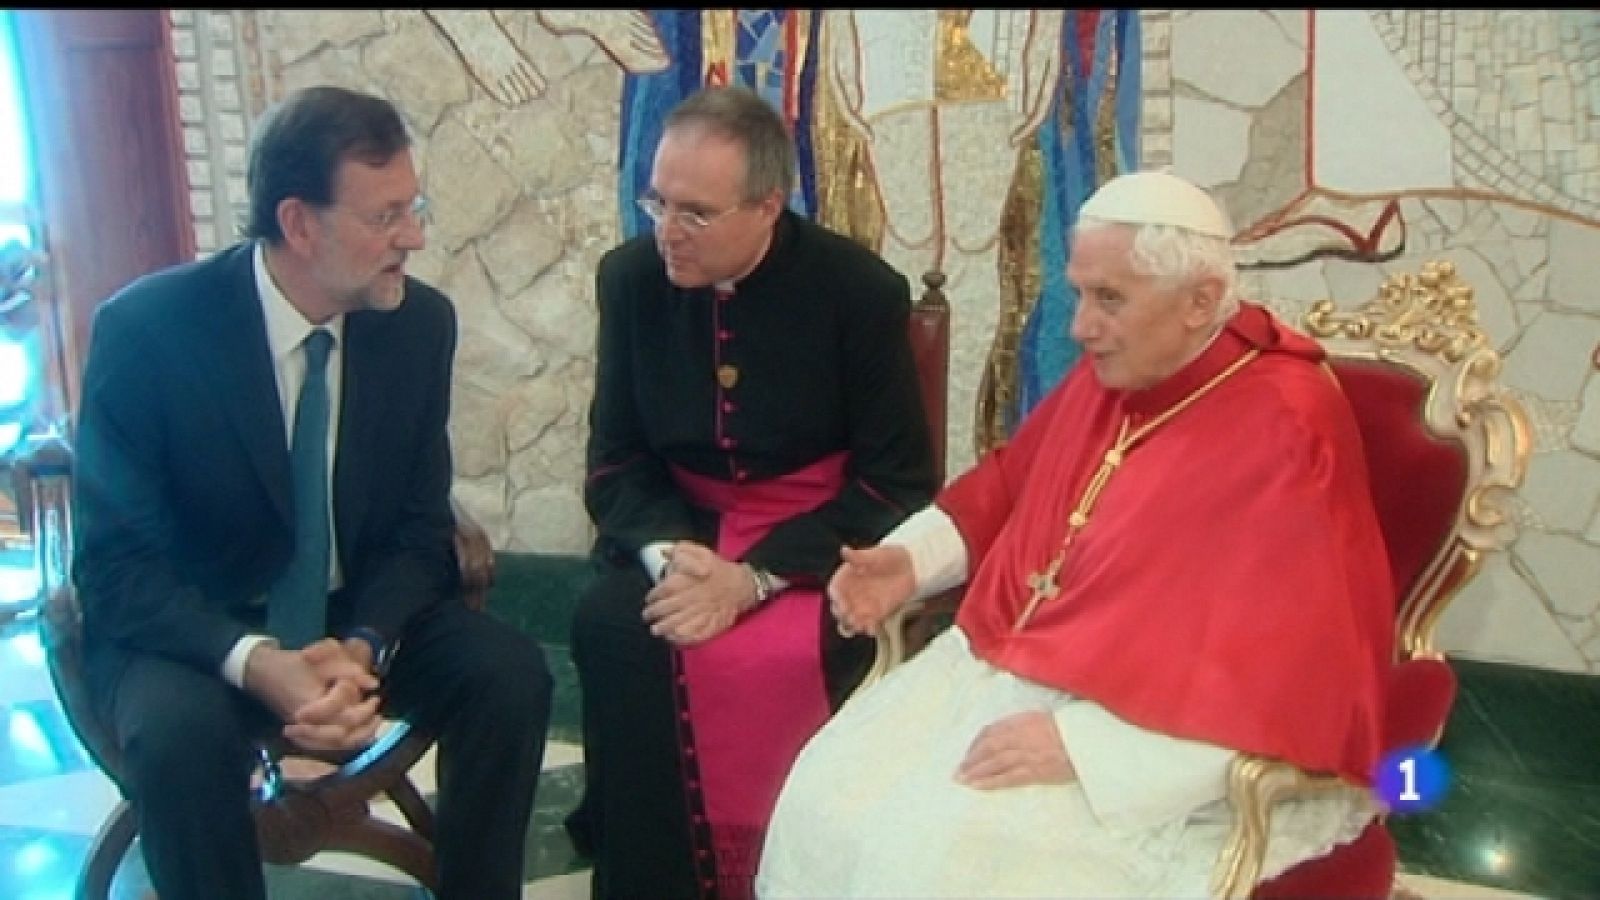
(396, 846)
(408, 799)
(106, 853)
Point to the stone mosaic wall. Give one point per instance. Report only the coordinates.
(1505, 118)
(1520, 132)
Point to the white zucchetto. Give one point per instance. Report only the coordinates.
(1157, 198)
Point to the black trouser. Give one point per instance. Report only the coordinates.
(634, 818)
(187, 737)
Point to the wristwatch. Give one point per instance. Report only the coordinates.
(765, 586)
(382, 651)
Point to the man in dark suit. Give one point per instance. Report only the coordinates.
(195, 516)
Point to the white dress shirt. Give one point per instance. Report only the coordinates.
(287, 330)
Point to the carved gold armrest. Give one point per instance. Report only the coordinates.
(891, 644)
(909, 629)
(1255, 785)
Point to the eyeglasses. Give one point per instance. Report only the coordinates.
(388, 221)
(687, 219)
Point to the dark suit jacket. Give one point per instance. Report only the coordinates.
(182, 514)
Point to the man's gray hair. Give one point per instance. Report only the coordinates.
(740, 114)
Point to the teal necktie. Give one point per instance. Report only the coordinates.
(297, 608)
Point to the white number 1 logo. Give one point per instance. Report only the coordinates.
(1409, 767)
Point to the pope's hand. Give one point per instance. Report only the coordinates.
(872, 583)
(1025, 748)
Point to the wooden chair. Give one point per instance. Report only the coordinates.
(1446, 447)
(303, 805)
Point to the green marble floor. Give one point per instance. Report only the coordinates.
(1523, 810)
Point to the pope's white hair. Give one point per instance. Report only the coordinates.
(1175, 257)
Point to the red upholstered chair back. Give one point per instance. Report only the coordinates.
(1445, 444)
(1418, 480)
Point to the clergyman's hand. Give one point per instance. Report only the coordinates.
(1023, 748)
(872, 583)
(701, 597)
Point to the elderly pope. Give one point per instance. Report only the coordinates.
(1174, 560)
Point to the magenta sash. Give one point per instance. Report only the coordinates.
(753, 695)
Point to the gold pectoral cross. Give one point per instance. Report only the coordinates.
(1044, 587)
(1043, 584)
